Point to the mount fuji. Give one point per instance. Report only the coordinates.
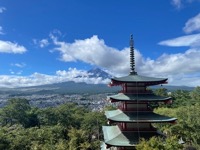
(97, 72)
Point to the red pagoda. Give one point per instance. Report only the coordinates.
(134, 117)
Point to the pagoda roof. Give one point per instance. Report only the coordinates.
(120, 116)
(113, 136)
(135, 78)
(138, 97)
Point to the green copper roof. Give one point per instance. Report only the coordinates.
(138, 97)
(137, 78)
(113, 136)
(120, 116)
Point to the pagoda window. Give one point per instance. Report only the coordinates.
(122, 126)
(141, 126)
(135, 84)
(133, 89)
(120, 107)
(124, 88)
(119, 125)
(124, 106)
(135, 106)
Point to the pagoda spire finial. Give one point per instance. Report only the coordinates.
(132, 57)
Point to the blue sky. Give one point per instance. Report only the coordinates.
(50, 41)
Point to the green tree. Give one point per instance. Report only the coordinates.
(47, 116)
(16, 111)
(181, 98)
(156, 143)
(67, 115)
(92, 123)
(195, 94)
(110, 107)
(67, 126)
(188, 124)
(78, 139)
(161, 91)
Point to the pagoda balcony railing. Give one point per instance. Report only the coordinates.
(137, 129)
(136, 92)
(136, 110)
(140, 129)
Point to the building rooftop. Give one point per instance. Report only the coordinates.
(134, 78)
(113, 136)
(138, 97)
(151, 117)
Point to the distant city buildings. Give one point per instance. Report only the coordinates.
(95, 102)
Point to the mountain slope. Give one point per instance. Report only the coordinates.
(62, 88)
(76, 88)
(96, 72)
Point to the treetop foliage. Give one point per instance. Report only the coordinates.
(73, 127)
(67, 126)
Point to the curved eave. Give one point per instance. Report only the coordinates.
(134, 117)
(113, 136)
(139, 79)
(137, 97)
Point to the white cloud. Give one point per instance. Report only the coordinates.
(192, 80)
(44, 43)
(192, 24)
(15, 73)
(2, 9)
(9, 47)
(20, 65)
(95, 52)
(177, 3)
(72, 74)
(188, 40)
(41, 43)
(79, 76)
(1, 30)
(181, 69)
(173, 64)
